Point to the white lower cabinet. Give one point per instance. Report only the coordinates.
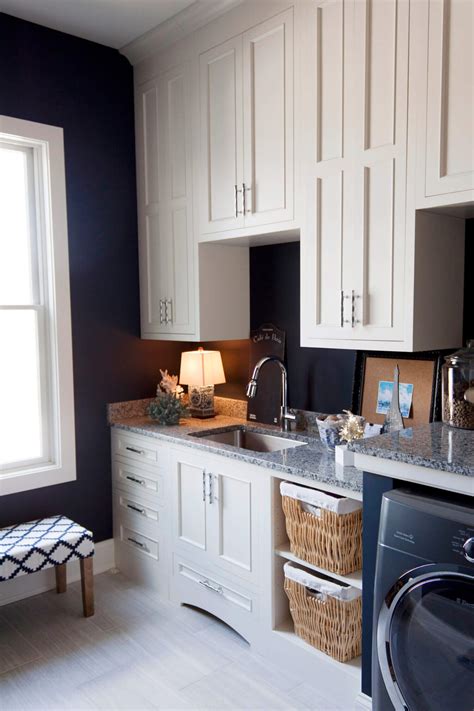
(206, 530)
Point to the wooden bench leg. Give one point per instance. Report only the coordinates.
(61, 578)
(87, 584)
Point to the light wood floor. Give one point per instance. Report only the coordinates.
(136, 653)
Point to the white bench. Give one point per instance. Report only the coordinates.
(46, 543)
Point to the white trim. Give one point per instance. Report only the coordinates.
(48, 147)
(363, 702)
(36, 583)
(413, 472)
(192, 18)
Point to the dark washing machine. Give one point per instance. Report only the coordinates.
(423, 639)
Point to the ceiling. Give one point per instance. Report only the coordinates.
(114, 23)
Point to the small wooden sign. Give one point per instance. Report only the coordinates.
(265, 406)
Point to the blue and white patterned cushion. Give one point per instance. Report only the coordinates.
(29, 547)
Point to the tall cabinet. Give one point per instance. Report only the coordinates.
(179, 280)
(358, 260)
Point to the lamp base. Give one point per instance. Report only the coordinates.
(201, 401)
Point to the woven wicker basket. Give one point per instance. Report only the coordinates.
(331, 541)
(331, 625)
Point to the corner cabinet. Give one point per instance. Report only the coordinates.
(363, 277)
(246, 107)
(178, 280)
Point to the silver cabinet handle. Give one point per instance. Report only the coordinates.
(354, 320)
(342, 308)
(343, 320)
(236, 200)
(135, 480)
(137, 509)
(135, 450)
(162, 318)
(209, 586)
(245, 188)
(137, 543)
(204, 485)
(168, 314)
(211, 492)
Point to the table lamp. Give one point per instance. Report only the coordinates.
(200, 371)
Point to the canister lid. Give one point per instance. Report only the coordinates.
(464, 356)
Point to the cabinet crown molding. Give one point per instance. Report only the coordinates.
(192, 18)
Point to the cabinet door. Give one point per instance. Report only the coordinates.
(233, 518)
(450, 99)
(153, 243)
(327, 233)
(268, 121)
(381, 34)
(189, 503)
(174, 98)
(221, 172)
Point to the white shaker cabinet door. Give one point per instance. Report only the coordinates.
(327, 260)
(450, 98)
(268, 86)
(221, 174)
(381, 33)
(233, 511)
(189, 502)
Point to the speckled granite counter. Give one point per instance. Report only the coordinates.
(447, 452)
(311, 461)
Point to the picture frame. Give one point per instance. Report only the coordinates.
(422, 369)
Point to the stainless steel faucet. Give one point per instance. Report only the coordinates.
(285, 416)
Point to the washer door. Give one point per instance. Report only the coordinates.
(425, 640)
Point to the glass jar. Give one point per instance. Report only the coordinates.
(458, 388)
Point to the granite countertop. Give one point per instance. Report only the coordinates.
(311, 461)
(435, 446)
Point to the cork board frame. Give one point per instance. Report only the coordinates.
(423, 370)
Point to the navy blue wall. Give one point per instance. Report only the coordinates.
(87, 89)
(319, 379)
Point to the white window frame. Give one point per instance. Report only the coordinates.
(59, 466)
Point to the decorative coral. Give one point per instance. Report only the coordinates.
(169, 384)
(353, 427)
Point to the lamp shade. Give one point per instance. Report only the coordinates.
(201, 368)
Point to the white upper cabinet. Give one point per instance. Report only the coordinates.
(246, 107)
(165, 205)
(362, 278)
(444, 103)
(178, 279)
(221, 137)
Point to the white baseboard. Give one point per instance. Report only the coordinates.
(43, 580)
(363, 703)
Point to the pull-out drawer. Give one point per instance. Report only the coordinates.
(142, 515)
(139, 480)
(208, 590)
(144, 545)
(138, 448)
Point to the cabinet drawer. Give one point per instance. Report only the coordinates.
(146, 514)
(135, 448)
(234, 604)
(213, 585)
(143, 545)
(137, 479)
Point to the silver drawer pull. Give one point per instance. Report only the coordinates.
(135, 480)
(137, 451)
(137, 543)
(208, 585)
(135, 508)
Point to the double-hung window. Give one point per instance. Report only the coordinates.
(36, 386)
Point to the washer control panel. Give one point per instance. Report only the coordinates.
(468, 550)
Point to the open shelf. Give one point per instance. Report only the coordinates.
(354, 579)
(286, 631)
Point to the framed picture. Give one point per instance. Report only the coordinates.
(420, 374)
